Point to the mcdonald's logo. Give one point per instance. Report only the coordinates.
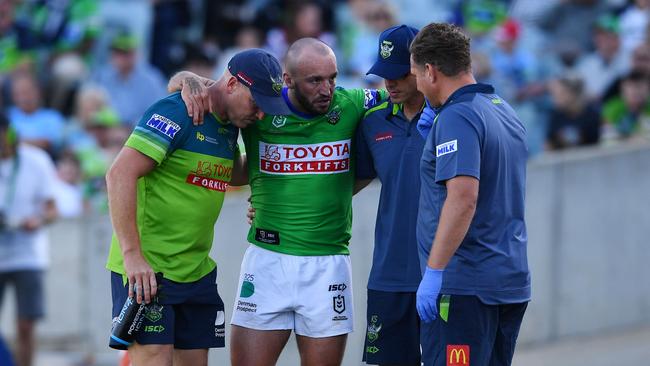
(457, 355)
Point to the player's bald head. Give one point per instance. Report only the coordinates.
(310, 75)
(305, 50)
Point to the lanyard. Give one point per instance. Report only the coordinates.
(10, 192)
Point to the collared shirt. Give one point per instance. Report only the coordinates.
(389, 147)
(477, 134)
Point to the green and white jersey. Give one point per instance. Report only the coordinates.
(301, 178)
(179, 201)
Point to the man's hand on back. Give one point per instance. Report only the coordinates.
(197, 99)
(250, 214)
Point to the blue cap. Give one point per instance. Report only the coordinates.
(394, 59)
(262, 74)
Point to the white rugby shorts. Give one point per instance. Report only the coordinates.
(310, 294)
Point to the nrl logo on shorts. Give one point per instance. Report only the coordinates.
(386, 48)
(373, 329)
(333, 116)
(339, 303)
(279, 121)
(154, 312)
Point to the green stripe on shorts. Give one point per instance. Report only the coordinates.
(444, 307)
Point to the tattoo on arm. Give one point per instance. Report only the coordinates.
(195, 86)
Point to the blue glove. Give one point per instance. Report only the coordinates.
(425, 123)
(427, 296)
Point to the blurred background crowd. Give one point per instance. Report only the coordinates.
(76, 75)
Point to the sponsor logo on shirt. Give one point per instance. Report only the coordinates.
(382, 136)
(447, 148)
(267, 236)
(210, 175)
(457, 355)
(323, 158)
(209, 183)
(163, 124)
(201, 137)
(213, 170)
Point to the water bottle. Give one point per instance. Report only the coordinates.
(129, 322)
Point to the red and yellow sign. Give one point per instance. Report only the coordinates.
(457, 355)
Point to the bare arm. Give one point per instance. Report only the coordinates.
(176, 82)
(121, 183)
(360, 184)
(455, 218)
(194, 91)
(240, 171)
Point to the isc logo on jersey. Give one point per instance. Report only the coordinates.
(323, 158)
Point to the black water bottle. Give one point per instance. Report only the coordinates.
(127, 325)
(129, 322)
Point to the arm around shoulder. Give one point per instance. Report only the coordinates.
(194, 91)
(177, 80)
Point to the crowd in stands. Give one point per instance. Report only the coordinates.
(74, 78)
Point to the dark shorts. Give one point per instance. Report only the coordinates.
(484, 334)
(187, 315)
(29, 292)
(393, 331)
